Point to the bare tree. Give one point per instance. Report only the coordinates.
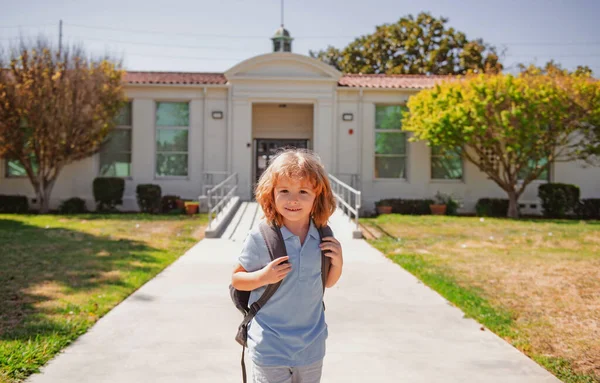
(55, 108)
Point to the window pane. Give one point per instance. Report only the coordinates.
(171, 140)
(544, 175)
(389, 116)
(118, 140)
(448, 168)
(172, 114)
(115, 164)
(124, 116)
(447, 165)
(171, 164)
(390, 167)
(15, 169)
(390, 143)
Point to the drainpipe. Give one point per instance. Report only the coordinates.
(204, 111)
(360, 139)
(335, 135)
(228, 135)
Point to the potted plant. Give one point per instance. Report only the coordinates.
(180, 203)
(191, 207)
(383, 206)
(441, 202)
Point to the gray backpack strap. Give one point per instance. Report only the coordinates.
(276, 246)
(325, 231)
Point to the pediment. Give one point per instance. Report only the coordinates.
(283, 65)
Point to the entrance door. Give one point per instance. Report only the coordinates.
(267, 148)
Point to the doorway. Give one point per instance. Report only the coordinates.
(266, 149)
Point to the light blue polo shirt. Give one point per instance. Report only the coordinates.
(290, 330)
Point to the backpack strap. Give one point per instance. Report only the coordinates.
(325, 231)
(276, 246)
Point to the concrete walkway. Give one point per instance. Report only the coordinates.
(384, 326)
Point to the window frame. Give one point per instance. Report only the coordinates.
(406, 146)
(122, 127)
(187, 128)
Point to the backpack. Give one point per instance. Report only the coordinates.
(276, 246)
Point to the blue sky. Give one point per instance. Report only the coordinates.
(212, 36)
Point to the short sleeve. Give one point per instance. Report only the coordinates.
(250, 257)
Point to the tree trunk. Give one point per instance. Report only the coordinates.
(513, 205)
(43, 193)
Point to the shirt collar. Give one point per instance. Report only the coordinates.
(312, 231)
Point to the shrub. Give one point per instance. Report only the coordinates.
(14, 204)
(148, 197)
(73, 205)
(588, 208)
(407, 206)
(492, 207)
(108, 192)
(558, 200)
(168, 203)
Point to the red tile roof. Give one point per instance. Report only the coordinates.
(174, 78)
(376, 81)
(398, 81)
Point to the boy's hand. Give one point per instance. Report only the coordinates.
(275, 270)
(335, 250)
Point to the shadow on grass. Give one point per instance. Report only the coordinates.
(37, 264)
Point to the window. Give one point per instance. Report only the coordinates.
(390, 142)
(544, 175)
(172, 126)
(115, 154)
(15, 169)
(447, 166)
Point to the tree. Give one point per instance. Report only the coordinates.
(421, 45)
(510, 127)
(55, 108)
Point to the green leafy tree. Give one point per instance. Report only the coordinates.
(510, 127)
(421, 45)
(55, 108)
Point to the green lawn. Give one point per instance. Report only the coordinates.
(536, 283)
(60, 274)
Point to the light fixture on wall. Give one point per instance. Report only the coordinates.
(217, 114)
(347, 117)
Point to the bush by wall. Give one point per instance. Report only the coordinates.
(148, 197)
(588, 208)
(108, 192)
(13, 204)
(492, 207)
(558, 200)
(73, 205)
(407, 206)
(168, 203)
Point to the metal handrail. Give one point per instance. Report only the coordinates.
(347, 197)
(208, 178)
(218, 193)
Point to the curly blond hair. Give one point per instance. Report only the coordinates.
(302, 164)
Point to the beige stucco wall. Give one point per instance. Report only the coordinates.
(359, 148)
(249, 104)
(205, 150)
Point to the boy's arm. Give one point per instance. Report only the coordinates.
(275, 271)
(246, 281)
(335, 272)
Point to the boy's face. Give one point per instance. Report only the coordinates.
(294, 199)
